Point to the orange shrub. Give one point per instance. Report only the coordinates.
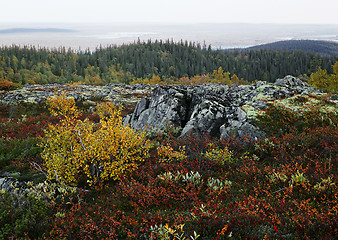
(6, 85)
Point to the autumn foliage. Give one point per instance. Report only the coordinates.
(194, 187)
(5, 84)
(76, 150)
(324, 81)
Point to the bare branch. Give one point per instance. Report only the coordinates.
(278, 190)
(79, 134)
(57, 177)
(38, 167)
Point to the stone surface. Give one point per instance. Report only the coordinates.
(8, 184)
(213, 109)
(111, 92)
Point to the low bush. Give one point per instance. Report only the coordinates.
(22, 216)
(76, 150)
(281, 187)
(19, 152)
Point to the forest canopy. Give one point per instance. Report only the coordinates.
(167, 60)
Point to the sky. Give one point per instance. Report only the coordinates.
(170, 11)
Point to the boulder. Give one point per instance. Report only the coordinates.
(207, 116)
(214, 109)
(167, 105)
(118, 93)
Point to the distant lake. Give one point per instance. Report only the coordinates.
(230, 47)
(219, 36)
(116, 35)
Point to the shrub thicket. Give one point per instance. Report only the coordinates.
(76, 150)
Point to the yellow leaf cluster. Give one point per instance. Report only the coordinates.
(166, 153)
(219, 76)
(221, 155)
(77, 149)
(60, 105)
(324, 81)
(152, 81)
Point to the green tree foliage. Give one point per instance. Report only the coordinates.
(21, 215)
(319, 47)
(166, 59)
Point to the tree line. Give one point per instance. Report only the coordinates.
(167, 60)
(323, 48)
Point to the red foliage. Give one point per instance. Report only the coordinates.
(6, 85)
(24, 128)
(263, 201)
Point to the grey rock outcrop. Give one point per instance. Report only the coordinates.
(111, 92)
(167, 105)
(214, 109)
(199, 108)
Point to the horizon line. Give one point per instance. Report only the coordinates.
(163, 23)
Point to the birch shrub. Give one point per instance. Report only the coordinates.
(78, 149)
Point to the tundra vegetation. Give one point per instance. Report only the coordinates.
(81, 174)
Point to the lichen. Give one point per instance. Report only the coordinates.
(263, 97)
(250, 111)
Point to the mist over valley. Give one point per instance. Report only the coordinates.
(218, 35)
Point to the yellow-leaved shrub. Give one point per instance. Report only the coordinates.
(78, 149)
(166, 153)
(219, 155)
(324, 81)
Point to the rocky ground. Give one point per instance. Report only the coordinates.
(112, 92)
(215, 109)
(276, 175)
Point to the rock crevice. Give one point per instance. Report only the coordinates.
(214, 109)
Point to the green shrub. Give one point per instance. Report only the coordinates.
(22, 216)
(18, 152)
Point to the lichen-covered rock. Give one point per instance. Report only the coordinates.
(34, 94)
(207, 116)
(167, 106)
(214, 109)
(8, 183)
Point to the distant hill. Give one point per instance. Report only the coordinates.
(323, 48)
(34, 30)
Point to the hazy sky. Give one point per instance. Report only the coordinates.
(170, 11)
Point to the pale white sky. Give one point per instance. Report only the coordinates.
(170, 11)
